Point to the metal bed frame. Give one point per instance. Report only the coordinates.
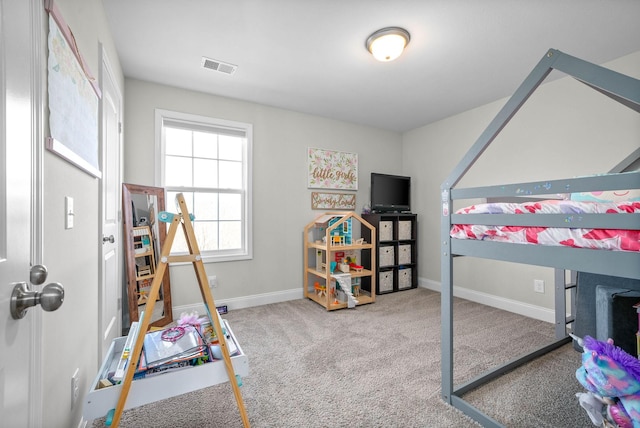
(617, 86)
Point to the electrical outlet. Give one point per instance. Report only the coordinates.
(75, 387)
(213, 281)
(538, 286)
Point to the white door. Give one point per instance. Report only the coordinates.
(17, 337)
(110, 321)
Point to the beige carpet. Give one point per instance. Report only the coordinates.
(378, 365)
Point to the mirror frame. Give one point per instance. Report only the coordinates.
(127, 220)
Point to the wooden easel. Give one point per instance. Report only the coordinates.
(184, 219)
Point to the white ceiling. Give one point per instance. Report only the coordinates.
(309, 55)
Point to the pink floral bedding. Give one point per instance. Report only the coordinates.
(608, 239)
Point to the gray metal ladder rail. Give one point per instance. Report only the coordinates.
(561, 285)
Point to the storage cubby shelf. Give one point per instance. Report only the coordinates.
(396, 268)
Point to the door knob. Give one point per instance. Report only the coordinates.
(38, 274)
(109, 239)
(50, 298)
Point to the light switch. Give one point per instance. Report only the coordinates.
(68, 212)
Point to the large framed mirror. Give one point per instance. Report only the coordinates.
(144, 238)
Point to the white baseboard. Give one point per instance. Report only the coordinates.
(524, 309)
(245, 302)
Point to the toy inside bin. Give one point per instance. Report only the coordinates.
(611, 377)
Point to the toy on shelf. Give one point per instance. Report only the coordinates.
(340, 235)
(611, 377)
(142, 299)
(344, 283)
(355, 287)
(321, 290)
(355, 267)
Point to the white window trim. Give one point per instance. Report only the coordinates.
(160, 116)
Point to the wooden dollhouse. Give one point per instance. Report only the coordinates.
(333, 278)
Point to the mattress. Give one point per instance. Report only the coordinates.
(603, 239)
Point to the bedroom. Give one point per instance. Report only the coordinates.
(290, 132)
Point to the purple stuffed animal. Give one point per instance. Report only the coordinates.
(611, 377)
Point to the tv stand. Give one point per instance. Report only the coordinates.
(383, 212)
(396, 247)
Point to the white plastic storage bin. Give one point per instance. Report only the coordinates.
(386, 255)
(385, 230)
(404, 278)
(404, 254)
(404, 230)
(385, 281)
(99, 402)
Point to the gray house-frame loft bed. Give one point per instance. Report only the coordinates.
(626, 264)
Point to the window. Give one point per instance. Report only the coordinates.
(209, 162)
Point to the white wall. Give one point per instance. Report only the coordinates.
(565, 129)
(281, 200)
(70, 334)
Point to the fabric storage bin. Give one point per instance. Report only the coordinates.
(385, 231)
(386, 255)
(385, 281)
(404, 278)
(585, 323)
(404, 230)
(404, 254)
(616, 318)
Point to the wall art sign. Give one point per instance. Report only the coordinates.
(73, 99)
(328, 169)
(333, 201)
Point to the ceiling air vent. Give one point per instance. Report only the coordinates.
(215, 65)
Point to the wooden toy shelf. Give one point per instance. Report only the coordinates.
(326, 236)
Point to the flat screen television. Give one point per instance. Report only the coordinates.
(390, 193)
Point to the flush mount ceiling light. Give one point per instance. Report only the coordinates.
(388, 43)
